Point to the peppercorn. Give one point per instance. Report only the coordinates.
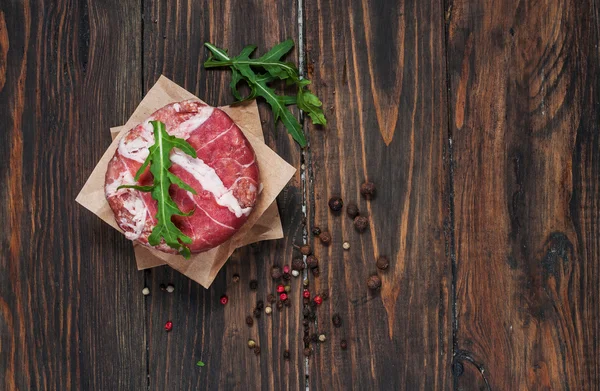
(283, 296)
(352, 210)
(312, 316)
(336, 319)
(235, 278)
(256, 313)
(224, 299)
(249, 321)
(260, 304)
(343, 344)
(305, 323)
(306, 250)
(314, 337)
(361, 223)
(306, 311)
(251, 343)
(146, 291)
(312, 261)
(163, 287)
(325, 238)
(286, 355)
(335, 204)
(287, 276)
(346, 246)
(316, 272)
(307, 351)
(253, 285)
(268, 310)
(288, 288)
(170, 288)
(297, 264)
(325, 295)
(383, 263)
(322, 338)
(318, 300)
(367, 189)
(306, 293)
(305, 283)
(286, 269)
(280, 288)
(306, 300)
(168, 326)
(287, 302)
(276, 272)
(306, 339)
(316, 231)
(271, 298)
(374, 282)
(279, 305)
(257, 350)
(295, 273)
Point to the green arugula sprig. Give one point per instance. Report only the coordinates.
(160, 162)
(244, 68)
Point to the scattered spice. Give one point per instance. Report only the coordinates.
(163, 287)
(286, 355)
(146, 291)
(306, 300)
(288, 288)
(170, 288)
(224, 299)
(322, 338)
(343, 344)
(283, 296)
(306, 250)
(280, 305)
(249, 321)
(298, 264)
(276, 272)
(271, 298)
(307, 351)
(312, 261)
(306, 339)
(325, 238)
(257, 350)
(253, 285)
(306, 311)
(256, 313)
(382, 262)
(367, 189)
(374, 282)
(260, 304)
(335, 204)
(316, 231)
(316, 272)
(318, 300)
(168, 326)
(305, 282)
(314, 337)
(235, 278)
(305, 322)
(268, 310)
(352, 210)
(251, 343)
(346, 246)
(306, 293)
(295, 273)
(280, 288)
(325, 295)
(286, 269)
(336, 319)
(361, 223)
(287, 302)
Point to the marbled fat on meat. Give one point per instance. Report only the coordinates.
(224, 175)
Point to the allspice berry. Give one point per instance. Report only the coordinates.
(374, 282)
(276, 272)
(305, 250)
(352, 210)
(316, 231)
(297, 264)
(325, 237)
(367, 189)
(361, 223)
(335, 204)
(312, 261)
(382, 262)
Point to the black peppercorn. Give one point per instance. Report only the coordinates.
(316, 231)
(271, 298)
(276, 272)
(260, 304)
(306, 311)
(367, 190)
(374, 282)
(286, 355)
(314, 337)
(307, 352)
(257, 350)
(249, 321)
(279, 305)
(312, 261)
(312, 316)
(306, 339)
(325, 237)
(297, 264)
(316, 272)
(256, 313)
(305, 323)
(236, 277)
(352, 210)
(336, 319)
(287, 302)
(324, 295)
(305, 250)
(361, 223)
(305, 300)
(253, 285)
(335, 204)
(383, 263)
(343, 344)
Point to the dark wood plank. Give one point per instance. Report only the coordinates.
(524, 116)
(174, 32)
(379, 67)
(70, 313)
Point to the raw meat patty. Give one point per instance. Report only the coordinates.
(224, 175)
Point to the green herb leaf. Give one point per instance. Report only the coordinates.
(245, 69)
(200, 364)
(160, 162)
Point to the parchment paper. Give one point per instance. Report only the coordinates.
(263, 223)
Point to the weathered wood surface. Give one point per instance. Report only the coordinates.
(524, 120)
(478, 121)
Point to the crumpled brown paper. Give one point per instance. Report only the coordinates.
(263, 223)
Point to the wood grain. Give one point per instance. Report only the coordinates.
(67, 306)
(524, 122)
(379, 68)
(174, 33)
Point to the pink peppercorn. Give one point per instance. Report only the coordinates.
(318, 300)
(283, 296)
(286, 269)
(306, 294)
(224, 299)
(168, 326)
(280, 288)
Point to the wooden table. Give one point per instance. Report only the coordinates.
(477, 120)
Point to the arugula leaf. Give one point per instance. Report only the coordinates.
(160, 162)
(244, 68)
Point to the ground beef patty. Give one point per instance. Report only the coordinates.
(224, 175)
